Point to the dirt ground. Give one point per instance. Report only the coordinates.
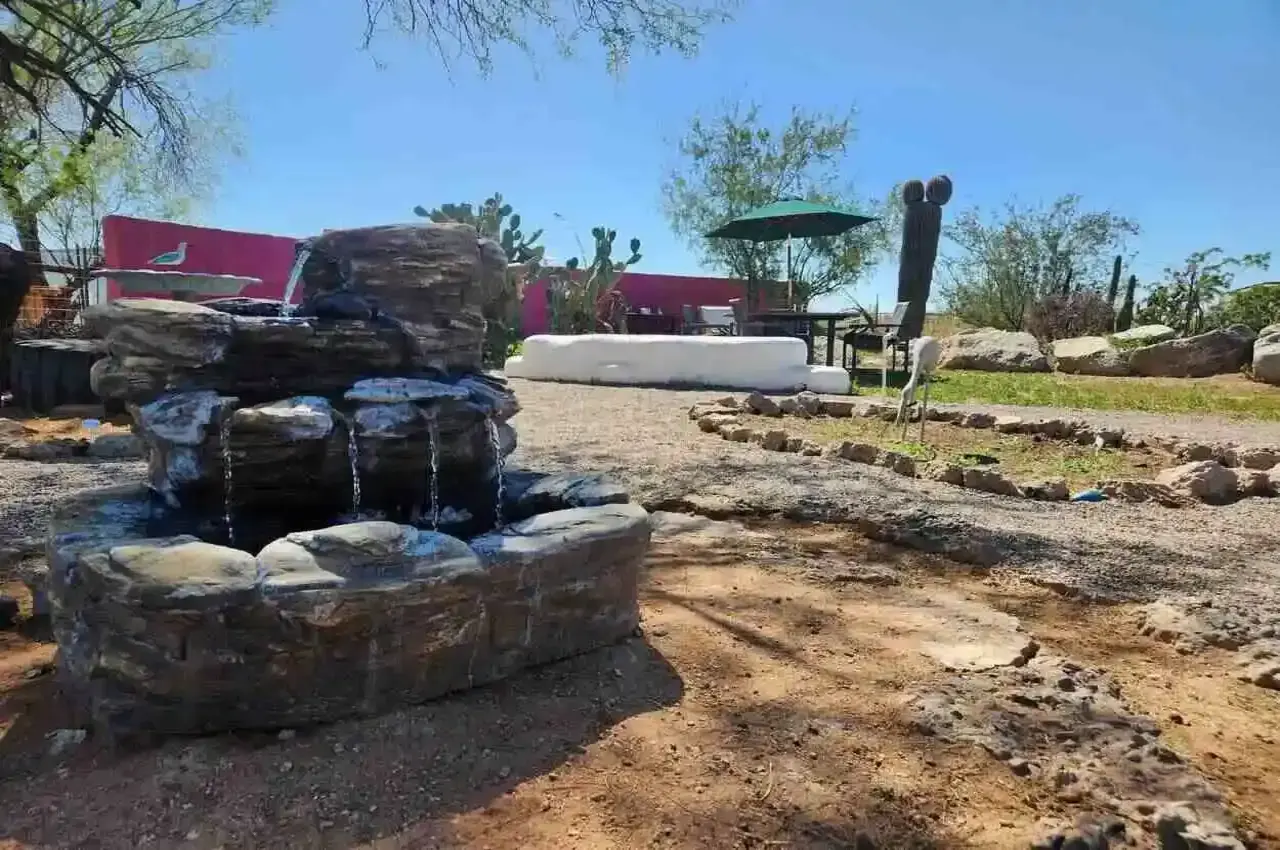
(768, 704)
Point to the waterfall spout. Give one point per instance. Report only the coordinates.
(433, 451)
(295, 274)
(224, 437)
(499, 465)
(353, 457)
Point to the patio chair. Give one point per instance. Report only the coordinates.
(861, 336)
(741, 327)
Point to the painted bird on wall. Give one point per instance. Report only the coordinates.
(170, 258)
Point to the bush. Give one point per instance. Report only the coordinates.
(1255, 306)
(1082, 313)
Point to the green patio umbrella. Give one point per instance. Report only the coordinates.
(787, 219)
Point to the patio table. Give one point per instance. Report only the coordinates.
(771, 316)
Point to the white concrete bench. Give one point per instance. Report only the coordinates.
(768, 364)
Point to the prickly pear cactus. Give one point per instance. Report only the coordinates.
(582, 299)
(921, 230)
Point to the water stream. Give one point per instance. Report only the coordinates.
(295, 274)
(353, 457)
(499, 463)
(224, 438)
(433, 451)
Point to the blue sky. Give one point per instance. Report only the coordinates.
(1165, 112)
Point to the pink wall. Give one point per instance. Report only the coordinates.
(667, 292)
(128, 243)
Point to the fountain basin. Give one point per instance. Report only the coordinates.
(173, 635)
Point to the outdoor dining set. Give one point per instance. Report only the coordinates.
(853, 331)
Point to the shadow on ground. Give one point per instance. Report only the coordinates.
(332, 786)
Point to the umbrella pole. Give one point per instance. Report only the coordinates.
(790, 301)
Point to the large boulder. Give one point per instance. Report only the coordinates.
(1266, 355)
(991, 350)
(1089, 355)
(1218, 352)
(1143, 335)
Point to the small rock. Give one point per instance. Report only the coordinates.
(287, 735)
(62, 740)
(794, 445)
(1255, 458)
(713, 422)
(115, 447)
(1049, 490)
(810, 449)
(900, 463)
(947, 473)
(735, 433)
(977, 420)
(761, 404)
(990, 481)
(1007, 424)
(774, 441)
(838, 409)
(1252, 482)
(859, 452)
(1205, 480)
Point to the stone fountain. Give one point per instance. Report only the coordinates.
(328, 527)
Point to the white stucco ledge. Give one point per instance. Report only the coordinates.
(768, 364)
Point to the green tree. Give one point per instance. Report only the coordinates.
(996, 267)
(1190, 299)
(49, 43)
(1256, 306)
(138, 59)
(733, 163)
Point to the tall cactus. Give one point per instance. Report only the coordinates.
(921, 230)
(1114, 288)
(579, 293)
(1124, 321)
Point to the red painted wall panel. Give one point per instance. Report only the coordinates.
(129, 243)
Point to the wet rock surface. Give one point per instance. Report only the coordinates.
(176, 635)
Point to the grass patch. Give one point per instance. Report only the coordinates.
(1223, 395)
(1019, 456)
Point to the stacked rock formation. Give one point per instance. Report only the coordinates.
(338, 442)
(369, 398)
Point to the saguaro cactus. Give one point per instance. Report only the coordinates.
(921, 230)
(1125, 320)
(1114, 288)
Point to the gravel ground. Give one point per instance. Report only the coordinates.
(644, 438)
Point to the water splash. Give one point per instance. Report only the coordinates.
(295, 274)
(433, 451)
(353, 457)
(224, 439)
(499, 465)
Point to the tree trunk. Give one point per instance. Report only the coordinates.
(1125, 320)
(15, 281)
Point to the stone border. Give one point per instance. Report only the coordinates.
(1209, 474)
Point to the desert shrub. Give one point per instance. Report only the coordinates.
(1255, 306)
(1080, 313)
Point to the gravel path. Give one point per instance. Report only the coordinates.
(644, 438)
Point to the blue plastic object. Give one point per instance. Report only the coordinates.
(92, 423)
(1092, 495)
